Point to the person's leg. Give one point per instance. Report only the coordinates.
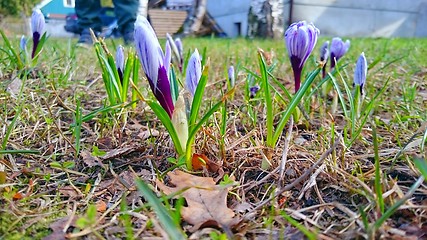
(126, 12)
(88, 14)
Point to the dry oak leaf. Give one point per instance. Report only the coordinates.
(207, 202)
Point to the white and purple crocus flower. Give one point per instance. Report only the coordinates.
(300, 38)
(338, 49)
(37, 27)
(324, 55)
(179, 46)
(154, 63)
(360, 72)
(120, 61)
(193, 72)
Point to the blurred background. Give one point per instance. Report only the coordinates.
(235, 18)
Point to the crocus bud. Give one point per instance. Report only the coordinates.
(179, 121)
(37, 27)
(338, 49)
(23, 44)
(193, 73)
(360, 72)
(253, 91)
(167, 59)
(152, 60)
(120, 61)
(300, 38)
(324, 54)
(231, 77)
(178, 44)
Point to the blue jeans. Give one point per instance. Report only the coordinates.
(88, 12)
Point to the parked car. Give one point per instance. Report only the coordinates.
(108, 18)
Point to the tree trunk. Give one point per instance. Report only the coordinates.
(195, 17)
(200, 13)
(265, 19)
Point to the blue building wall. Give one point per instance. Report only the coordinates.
(56, 7)
(231, 15)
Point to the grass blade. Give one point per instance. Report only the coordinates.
(172, 229)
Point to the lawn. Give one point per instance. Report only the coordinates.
(77, 162)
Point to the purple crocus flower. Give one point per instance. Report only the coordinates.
(324, 54)
(231, 77)
(253, 90)
(178, 44)
(37, 27)
(338, 49)
(120, 61)
(194, 72)
(360, 72)
(152, 60)
(300, 37)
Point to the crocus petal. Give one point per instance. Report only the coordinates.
(148, 49)
(37, 27)
(23, 43)
(120, 61)
(163, 93)
(231, 76)
(37, 22)
(167, 59)
(193, 73)
(324, 51)
(152, 60)
(361, 71)
(178, 44)
(253, 91)
(338, 49)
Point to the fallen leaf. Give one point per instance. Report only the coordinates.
(68, 191)
(14, 87)
(118, 152)
(206, 201)
(58, 229)
(2, 177)
(101, 206)
(199, 161)
(18, 196)
(145, 134)
(90, 160)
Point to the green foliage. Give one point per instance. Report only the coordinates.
(165, 216)
(15, 7)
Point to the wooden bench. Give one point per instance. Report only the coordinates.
(166, 21)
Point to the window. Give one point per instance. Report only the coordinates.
(69, 3)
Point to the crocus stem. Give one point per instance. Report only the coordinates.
(297, 78)
(324, 71)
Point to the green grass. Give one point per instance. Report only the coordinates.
(66, 89)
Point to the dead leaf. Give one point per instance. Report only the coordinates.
(199, 161)
(145, 134)
(18, 196)
(118, 152)
(58, 228)
(2, 177)
(101, 206)
(68, 191)
(90, 160)
(14, 87)
(207, 202)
